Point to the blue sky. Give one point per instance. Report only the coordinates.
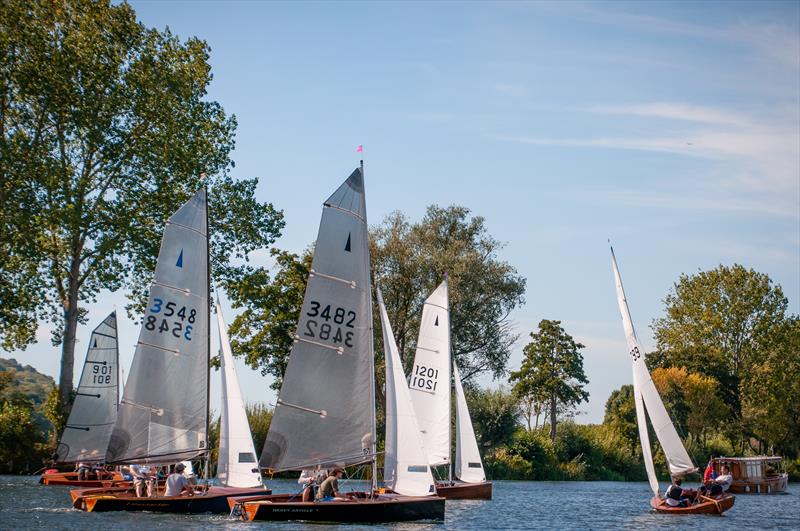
(671, 128)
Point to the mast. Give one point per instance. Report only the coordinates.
(449, 382)
(119, 380)
(208, 335)
(372, 380)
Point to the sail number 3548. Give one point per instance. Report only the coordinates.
(182, 328)
(328, 323)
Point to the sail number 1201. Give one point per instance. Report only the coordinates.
(424, 378)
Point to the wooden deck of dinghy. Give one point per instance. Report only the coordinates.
(215, 500)
(465, 491)
(717, 505)
(359, 508)
(70, 479)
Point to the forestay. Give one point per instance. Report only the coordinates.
(94, 411)
(236, 464)
(324, 414)
(469, 467)
(163, 412)
(406, 469)
(645, 392)
(430, 377)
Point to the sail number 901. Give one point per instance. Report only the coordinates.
(424, 378)
(322, 328)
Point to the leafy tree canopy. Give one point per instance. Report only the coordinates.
(105, 132)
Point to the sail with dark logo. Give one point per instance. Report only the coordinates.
(325, 414)
(163, 412)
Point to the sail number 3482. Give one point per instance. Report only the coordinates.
(328, 323)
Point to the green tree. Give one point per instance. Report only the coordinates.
(495, 416)
(21, 441)
(620, 415)
(263, 333)
(106, 129)
(720, 323)
(410, 259)
(552, 371)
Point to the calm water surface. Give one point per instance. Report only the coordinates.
(24, 504)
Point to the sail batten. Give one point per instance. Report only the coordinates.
(93, 414)
(647, 399)
(330, 364)
(164, 409)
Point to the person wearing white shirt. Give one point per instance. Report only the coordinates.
(142, 479)
(177, 483)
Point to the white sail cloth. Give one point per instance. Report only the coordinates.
(163, 413)
(405, 469)
(430, 377)
(236, 463)
(469, 467)
(645, 391)
(94, 411)
(325, 413)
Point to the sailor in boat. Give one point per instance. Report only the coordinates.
(719, 485)
(677, 496)
(329, 490)
(83, 471)
(177, 483)
(311, 479)
(141, 479)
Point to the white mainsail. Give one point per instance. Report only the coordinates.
(163, 413)
(325, 412)
(405, 469)
(647, 397)
(430, 377)
(469, 467)
(94, 411)
(236, 463)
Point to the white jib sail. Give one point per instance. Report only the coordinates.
(164, 408)
(405, 469)
(678, 459)
(430, 377)
(469, 467)
(94, 411)
(236, 464)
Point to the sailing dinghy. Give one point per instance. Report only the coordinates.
(430, 394)
(163, 416)
(94, 411)
(325, 413)
(647, 399)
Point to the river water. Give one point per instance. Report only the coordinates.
(24, 504)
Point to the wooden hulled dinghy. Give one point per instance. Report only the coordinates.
(648, 402)
(458, 490)
(431, 396)
(91, 419)
(214, 500)
(359, 508)
(708, 505)
(70, 479)
(324, 417)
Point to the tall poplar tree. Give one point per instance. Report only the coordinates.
(105, 130)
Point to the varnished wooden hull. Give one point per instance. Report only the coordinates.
(70, 479)
(716, 505)
(465, 491)
(117, 499)
(385, 508)
(769, 485)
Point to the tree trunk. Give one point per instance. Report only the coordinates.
(68, 342)
(553, 417)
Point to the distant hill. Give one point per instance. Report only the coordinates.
(29, 384)
(27, 381)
